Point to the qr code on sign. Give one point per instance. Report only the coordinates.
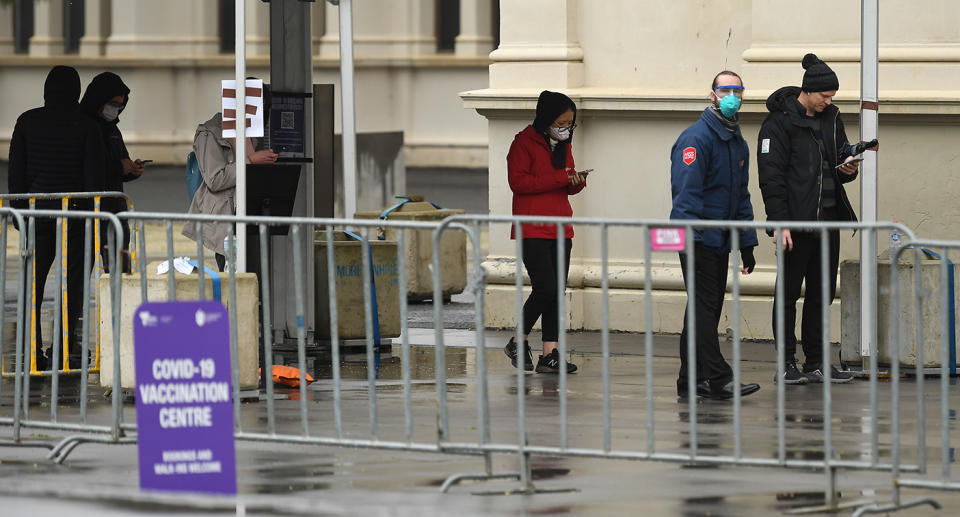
(287, 120)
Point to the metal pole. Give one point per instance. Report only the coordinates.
(869, 56)
(240, 147)
(347, 110)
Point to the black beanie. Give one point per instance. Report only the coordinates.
(818, 76)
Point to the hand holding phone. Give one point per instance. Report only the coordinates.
(849, 162)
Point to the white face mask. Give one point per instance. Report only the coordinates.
(110, 112)
(560, 133)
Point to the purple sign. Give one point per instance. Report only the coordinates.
(184, 397)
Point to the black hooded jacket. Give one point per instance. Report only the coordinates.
(789, 159)
(56, 148)
(101, 89)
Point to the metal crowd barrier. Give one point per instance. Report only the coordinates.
(347, 425)
(62, 235)
(301, 433)
(948, 344)
(25, 362)
(829, 464)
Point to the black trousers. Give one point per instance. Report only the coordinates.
(710, 283)
(105, 228)
(801, 267)
(540, 259)
(45, 254)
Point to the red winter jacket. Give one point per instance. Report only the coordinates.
(538, 188)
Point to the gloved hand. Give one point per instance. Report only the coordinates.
(746, 256)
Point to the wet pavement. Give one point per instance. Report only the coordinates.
(297, 479)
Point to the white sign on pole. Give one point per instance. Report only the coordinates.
(253, 109)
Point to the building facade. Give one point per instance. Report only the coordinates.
(412, 58)
(640, 72)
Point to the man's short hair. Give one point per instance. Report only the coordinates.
(725, 72)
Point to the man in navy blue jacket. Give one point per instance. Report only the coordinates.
(708, 179)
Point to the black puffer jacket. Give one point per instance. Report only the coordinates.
(101, 89)
(789, 159)
(56, 148)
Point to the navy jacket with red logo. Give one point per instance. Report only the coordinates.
(538, 188)
(708, 180)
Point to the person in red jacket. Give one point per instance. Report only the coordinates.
(541, 173)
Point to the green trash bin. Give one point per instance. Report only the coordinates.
(418, 247)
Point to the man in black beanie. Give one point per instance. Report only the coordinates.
(802, 144)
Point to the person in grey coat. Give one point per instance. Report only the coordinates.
(216, 195)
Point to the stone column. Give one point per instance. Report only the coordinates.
(96, 27)
(328, 44)
(475, 38)
(6, 30)
(47, 37)
(258, 28)
(146, 28)
(318, 26)
(918, 46)
(384, 28)
(539, 46)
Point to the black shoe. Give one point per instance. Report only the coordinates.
(727, 391)
(814, 373)
(74, 361)
(43, 362)
(550, 363)
(703, 389)
(511, 351)
(791, 374)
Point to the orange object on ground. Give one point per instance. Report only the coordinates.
(288, 376)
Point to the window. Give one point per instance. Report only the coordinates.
(226, 16)
(22, 25)
(495, 22)
(73, 25)
(448, 24)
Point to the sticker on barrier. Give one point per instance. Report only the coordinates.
(668, 239)
(184, 397)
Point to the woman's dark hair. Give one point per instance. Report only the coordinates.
(551, 105)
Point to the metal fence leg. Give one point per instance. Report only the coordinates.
(478, 285)
(887, 508)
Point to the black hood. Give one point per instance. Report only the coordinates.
(101, 89)
(780, 100)
(62, 87)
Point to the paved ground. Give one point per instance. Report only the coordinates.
(314, 480)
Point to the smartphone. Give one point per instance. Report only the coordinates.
(144, 162)
(855, 160)
(585, 172)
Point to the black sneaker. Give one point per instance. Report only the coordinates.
(511, 351)
(43, 362)
(550, 363)
(792, 375)
(815, 374)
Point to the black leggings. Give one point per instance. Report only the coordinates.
(540, 259)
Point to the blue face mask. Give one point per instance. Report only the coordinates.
(729, 105)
